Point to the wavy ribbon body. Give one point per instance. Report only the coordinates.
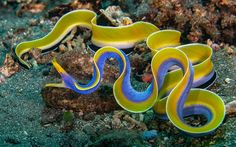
(171, 94)
(125, 36)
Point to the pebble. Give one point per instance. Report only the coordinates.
(2, 79)
(231, 107)
(115, 16)
(229, 50)
(227, 80)
(26, 133)
(215, 47)
(151, 134)
(10, 67)
(141, 117)
(33, 22)
(116, 123)
(166, 139)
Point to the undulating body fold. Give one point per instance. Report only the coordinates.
(171, 94)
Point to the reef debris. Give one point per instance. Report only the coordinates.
(116, 16)
(231, 108)
(150, 134)
(75, 4)
(2, 79)
(40, 58)
(197, 21)
(70, 100)
(10, 67)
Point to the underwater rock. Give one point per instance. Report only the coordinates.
(135, 123)
(227, 80)
(2, 79)
(10, 67)
(116, 16)
(30, 7)
(231, 108)
(214, 46)
(198, 20)
(116, 122)
(123, 119)
(151, 134)
(35, 8)
(229, 49)
(40, 58)
(78, 4)
(74, 5)
(68, 99)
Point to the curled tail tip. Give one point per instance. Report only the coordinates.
(57, 66)
(54, 60)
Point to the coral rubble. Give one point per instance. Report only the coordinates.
(10, 67)
(217, 19)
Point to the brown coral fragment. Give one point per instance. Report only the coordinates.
(214, 46)
(74, 5)
(67, 99)
(135, 123)
(216, 18)
(122, 119)
(36, 8)
(231, 108)
(30, 7)
(40, 58)
(10, 67)
(116, 16)
(229, 49)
